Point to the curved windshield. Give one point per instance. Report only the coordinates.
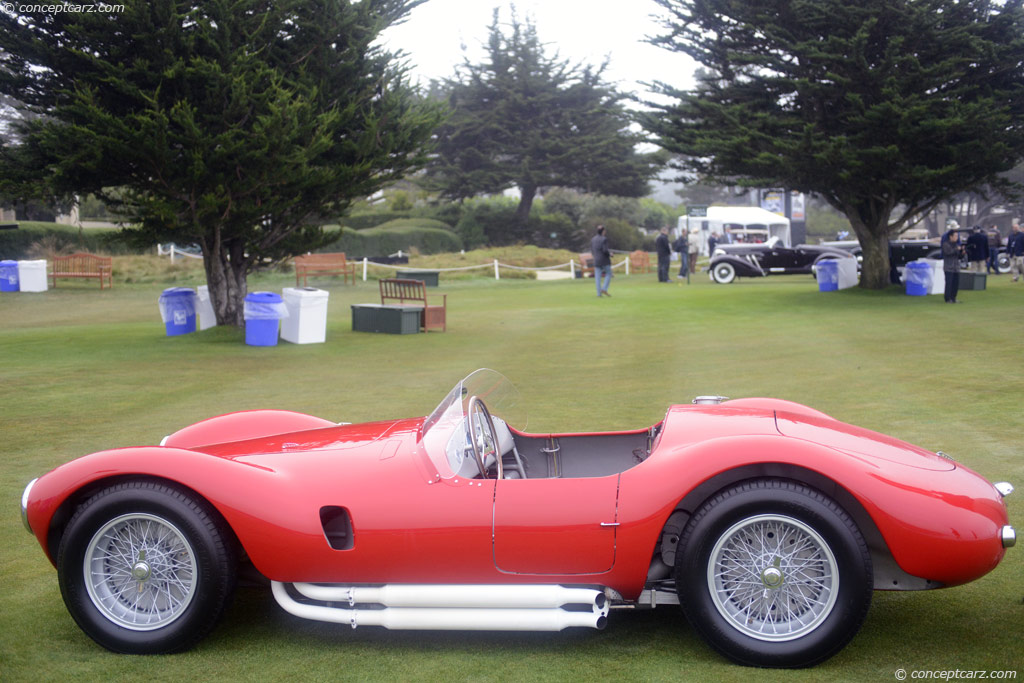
(446, 431)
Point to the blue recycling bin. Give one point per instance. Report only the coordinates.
(9, 276)
(263, 312)
(178, 310)
(918, 278)
(828, 275)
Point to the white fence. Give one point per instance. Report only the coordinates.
(563, 270)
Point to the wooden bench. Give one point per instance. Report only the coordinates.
(586, 264)
(83, 265)
(639, 262)
(323, 264)
(415, 291)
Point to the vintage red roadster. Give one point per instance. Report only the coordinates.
(768, 522)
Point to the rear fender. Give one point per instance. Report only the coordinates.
(949, 539)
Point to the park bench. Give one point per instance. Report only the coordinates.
(81, 265)
(639, 262)
(586, 264)
(415, 291)
(323, 264)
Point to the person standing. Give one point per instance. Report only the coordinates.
(977, 250)
(995, 241)
(1015, 250)
(712, 243)
(664, 254)
(693, 249)
(602, 261)
(951, 265)
(684, 254)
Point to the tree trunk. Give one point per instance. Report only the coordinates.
(226, 270)
(874, 243)
(527, 193)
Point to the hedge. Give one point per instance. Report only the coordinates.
(384, 241)
(32, 238)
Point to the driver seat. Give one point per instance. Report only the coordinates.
(506, 447)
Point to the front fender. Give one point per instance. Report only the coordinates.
(245, 424)
(224, 483)
(744, 267)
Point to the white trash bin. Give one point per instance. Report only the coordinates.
(32, 275)
(307, 315)
(204, 307)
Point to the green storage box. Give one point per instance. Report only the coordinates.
(427, 277)
(386, 319)
(973, 281)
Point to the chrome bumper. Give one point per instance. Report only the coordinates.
(1007, 535)
(24, 505)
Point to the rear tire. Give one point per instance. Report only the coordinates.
(146, 569)
(772, 573)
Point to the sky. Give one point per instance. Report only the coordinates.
(579, 30)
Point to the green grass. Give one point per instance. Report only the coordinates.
(83, 370)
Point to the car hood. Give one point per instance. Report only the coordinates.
(339, 437)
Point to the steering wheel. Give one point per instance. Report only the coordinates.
(479, 421)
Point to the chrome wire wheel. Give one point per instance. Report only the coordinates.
(773, 578)
(140, 571)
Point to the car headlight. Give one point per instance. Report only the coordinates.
(24, 504)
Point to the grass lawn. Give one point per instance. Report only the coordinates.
(83, 370)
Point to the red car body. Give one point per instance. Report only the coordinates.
(308, 501)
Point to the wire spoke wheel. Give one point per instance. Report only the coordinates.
(140, 572)
(773, 577)
(771, 572)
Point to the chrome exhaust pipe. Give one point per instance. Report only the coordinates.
(430, 617)
(444, 595)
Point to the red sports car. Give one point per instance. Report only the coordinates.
(768, 522)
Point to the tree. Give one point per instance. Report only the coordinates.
(237, 124)
(882, 107)
(524, 119)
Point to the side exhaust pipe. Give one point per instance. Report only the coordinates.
(448, 607)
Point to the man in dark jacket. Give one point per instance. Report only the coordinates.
(1015, 250)
(977, 250)
(664, 254)
(602, 261)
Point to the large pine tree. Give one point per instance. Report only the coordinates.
(236, 124)
(882, 107)
(525, 119)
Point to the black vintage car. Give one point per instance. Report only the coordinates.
(771, 258)
(902, 252)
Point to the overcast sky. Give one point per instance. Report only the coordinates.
(580, 30)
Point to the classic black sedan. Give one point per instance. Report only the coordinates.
(730, 261)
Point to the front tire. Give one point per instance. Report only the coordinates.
(146, 569)
(723, 273)
(1003, 264)
(773, 573)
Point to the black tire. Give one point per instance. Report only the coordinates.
(723, 273)
(146, 569)
(772, 573)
